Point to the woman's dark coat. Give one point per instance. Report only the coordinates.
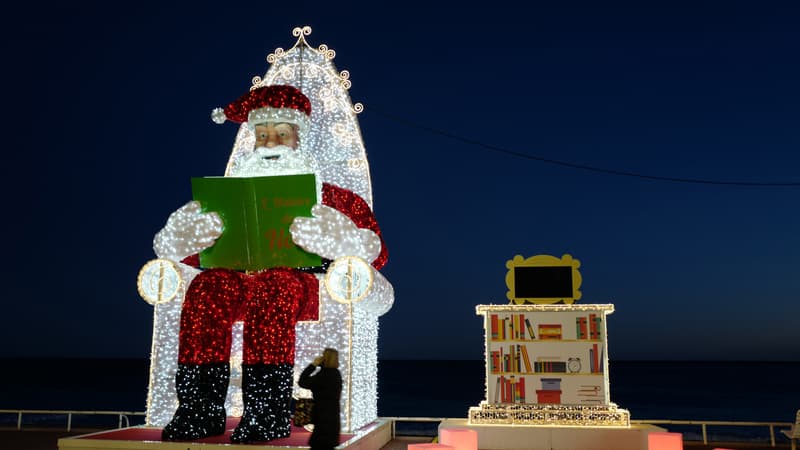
(326, 385)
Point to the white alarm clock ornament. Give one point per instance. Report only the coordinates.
(349, 279)
(159, 281)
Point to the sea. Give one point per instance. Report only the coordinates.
(650, 390)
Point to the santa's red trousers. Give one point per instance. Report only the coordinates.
(269, 302)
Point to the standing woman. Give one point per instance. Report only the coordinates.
(326, 386)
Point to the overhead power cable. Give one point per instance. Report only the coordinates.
(575, 165)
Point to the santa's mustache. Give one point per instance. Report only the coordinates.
(273, 153)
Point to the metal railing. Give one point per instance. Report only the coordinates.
(123, 415)
(704, 424)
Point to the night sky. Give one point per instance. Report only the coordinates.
(491, 131)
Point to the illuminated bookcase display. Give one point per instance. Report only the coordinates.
(546, 363)
(547, 355)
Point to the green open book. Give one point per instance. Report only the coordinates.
(256, 213)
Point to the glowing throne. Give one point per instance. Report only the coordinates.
(349, 326)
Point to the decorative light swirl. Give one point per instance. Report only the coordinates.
(356, 164)
(297, 31)
(358, 108)
(272, 57)
(288, 72)
(327, 52)
(327, 98)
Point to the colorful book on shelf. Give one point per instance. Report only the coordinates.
(495, 361)
(256, 213)
(580, 331)
(493, 326)
(526, 359)
(530, 328)
(550, 367)
(592, 326)
(550, 331)
(598, 325)
(513, 322)
(600, 361)
(594, 359)
(500, 325)
(518, 390)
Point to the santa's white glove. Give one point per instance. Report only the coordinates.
(188, 231)
(330, 234)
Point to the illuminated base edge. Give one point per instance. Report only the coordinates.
(558, 415)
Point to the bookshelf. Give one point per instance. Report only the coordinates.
(546, 357)
(546, 354)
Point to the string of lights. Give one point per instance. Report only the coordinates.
(514, 153)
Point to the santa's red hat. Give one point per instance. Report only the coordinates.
(277, 103)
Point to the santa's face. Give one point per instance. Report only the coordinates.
(275, 153)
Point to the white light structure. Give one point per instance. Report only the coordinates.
(350, 327)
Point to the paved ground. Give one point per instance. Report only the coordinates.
(46, 439)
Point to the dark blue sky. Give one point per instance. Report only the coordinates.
(107, 118)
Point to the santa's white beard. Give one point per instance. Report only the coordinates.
(279, 160)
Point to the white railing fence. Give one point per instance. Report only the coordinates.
(704, 424)
(123, 420)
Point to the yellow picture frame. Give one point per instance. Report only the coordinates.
(544, 262)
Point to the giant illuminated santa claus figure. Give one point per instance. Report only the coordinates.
(351, 296)
(269, 302)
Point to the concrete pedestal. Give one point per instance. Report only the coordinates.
(536, 437)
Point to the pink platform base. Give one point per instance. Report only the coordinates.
(540, 437)
(370, 437)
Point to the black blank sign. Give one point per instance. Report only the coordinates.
(543, 282)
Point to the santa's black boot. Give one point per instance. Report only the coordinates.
(267, 391)
(202, 389)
